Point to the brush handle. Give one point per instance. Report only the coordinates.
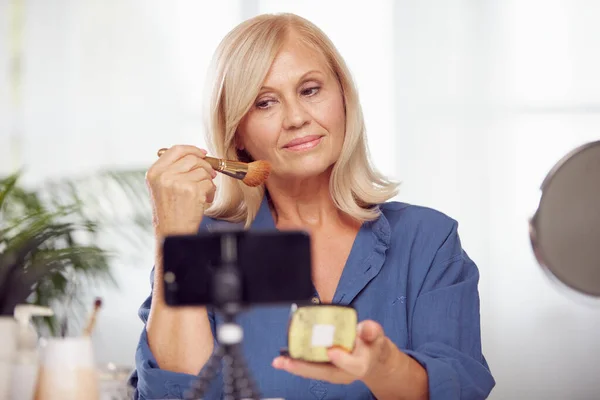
(234, 169)
(91, 323)
(219, 164)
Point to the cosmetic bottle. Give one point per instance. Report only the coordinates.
(26, 361)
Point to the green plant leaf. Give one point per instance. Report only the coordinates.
(64, 235)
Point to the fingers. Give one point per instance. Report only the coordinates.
(203, 176)
(369, 331)
(370, 336)
(176, 152)
(310, 370)
(365, 361)
(192, 162)
(208, 188)
(181, 185)
(351, 363)
(180, 159)
(199, 174)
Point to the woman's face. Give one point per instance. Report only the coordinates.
(297, 121)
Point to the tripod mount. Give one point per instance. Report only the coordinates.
(237, 380)
(229, 270)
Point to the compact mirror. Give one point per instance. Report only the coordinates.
(315, 328)
(565, 229)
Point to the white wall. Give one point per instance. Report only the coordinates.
(468, 103)
(106, 84)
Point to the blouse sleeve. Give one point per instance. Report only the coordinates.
(445, 333)
(151, 382)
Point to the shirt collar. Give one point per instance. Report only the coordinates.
(264, 218)
(364, 261)
(380, 228)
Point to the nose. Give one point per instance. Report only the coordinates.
(295, 115)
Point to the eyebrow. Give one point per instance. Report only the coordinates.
(312, 71)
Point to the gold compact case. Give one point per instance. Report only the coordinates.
(315, 328)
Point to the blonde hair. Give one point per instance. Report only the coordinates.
(239, 68)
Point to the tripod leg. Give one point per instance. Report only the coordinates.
(229, 392)
(245, 387)
(201, 384)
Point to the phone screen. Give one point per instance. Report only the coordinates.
(274, 266)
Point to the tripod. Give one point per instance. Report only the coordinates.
(237, 380)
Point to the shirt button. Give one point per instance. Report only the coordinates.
(315, 300)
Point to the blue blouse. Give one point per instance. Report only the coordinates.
(407, 271)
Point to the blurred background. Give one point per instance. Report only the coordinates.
(468, 103)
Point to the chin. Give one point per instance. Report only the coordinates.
(306, 170)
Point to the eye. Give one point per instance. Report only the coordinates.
(264, 104)
(311, 91)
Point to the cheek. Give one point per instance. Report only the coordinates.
(258, 133)
(333, 116)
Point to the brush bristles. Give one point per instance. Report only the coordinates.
(258, 172)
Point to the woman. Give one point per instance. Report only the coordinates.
(282, 93)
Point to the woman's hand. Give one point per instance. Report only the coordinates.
(375, 360)
(370, 358)
(180, 184)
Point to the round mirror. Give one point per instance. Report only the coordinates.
(565, 229)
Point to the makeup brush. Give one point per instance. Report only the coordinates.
(92, 321)
(252, 174)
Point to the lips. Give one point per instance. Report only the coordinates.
(300, 141)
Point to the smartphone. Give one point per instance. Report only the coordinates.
(273, 267)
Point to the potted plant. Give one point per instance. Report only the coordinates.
(53, 238)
